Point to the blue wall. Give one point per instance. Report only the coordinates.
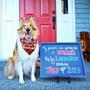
(82, 10)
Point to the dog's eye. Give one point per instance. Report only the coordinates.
(30, 24)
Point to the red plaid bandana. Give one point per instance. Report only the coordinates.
(28, 46)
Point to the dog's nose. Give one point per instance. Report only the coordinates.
(27, 30)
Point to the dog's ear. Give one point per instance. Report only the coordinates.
(21, 24)
(30, 18)
(33, 23)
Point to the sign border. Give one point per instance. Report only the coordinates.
(57, 43)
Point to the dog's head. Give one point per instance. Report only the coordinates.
(28, 29)
(28, 33)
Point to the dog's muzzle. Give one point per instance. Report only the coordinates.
(27, 30)
(27, 34)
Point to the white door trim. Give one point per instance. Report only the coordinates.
(10, 22)
(0, 28)
(65, 22)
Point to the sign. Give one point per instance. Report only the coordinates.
(61, 60)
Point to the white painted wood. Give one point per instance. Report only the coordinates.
(0, 29)
(65, 22)
(10, 22)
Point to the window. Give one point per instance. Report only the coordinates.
(64, 6)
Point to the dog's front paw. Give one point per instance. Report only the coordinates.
(21, 81)
(33, 79)
(10, 77)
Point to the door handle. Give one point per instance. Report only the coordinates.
(54, 21)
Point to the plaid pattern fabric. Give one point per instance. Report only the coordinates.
(28, 46)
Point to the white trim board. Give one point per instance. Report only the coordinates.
(10, 22)
(66, 22)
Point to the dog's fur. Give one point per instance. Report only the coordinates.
(24, 62)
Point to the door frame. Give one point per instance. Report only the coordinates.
(8, 18)
(1, 28)
(58, 23)
(62, 25)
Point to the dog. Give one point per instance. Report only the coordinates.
(25, 53)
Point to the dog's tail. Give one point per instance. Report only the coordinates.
(9, 70)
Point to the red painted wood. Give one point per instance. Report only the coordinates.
(42, 11)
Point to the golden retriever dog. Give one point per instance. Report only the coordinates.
(25, 53)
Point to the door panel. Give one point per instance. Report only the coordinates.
(42, 11)
(30, 7)
(21, 7)
(66, 19)
(45, 31)
(10, 24)
(0, 29)
(45, 7)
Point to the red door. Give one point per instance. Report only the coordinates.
(44, 13)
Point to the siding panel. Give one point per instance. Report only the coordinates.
(81, 25)
(82, 8)
(82, 15)
(82, 1)
(82, 21)
(83, 5)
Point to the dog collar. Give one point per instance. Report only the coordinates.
(28, 46)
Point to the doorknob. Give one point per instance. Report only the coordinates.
(54, 21)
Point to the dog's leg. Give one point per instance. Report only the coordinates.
(20, 72)
(33, 72)
(11, 71)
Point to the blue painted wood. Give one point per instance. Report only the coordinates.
(81, 5)
(82, 16)
(81, 29)
(82, 11)
(82, 1)
(82, 20)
